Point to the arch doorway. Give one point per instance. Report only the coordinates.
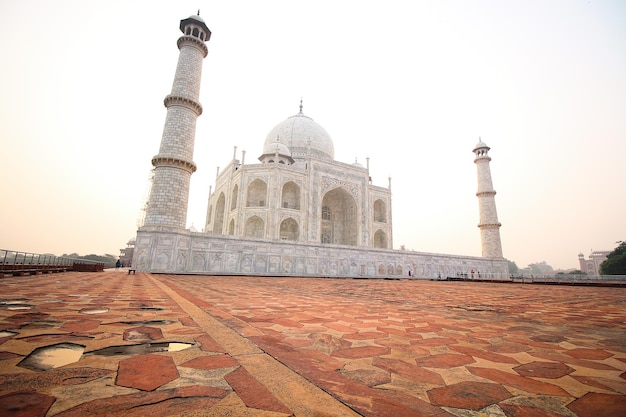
(339, 218)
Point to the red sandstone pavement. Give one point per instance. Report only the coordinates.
(166, 345)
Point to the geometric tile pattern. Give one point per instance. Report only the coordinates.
(146, 372)
(260, 346)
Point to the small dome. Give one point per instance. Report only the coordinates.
(196, 20)
(276, 147)
(197, 17)
(300, 132)
(480, 145)
(357, 164)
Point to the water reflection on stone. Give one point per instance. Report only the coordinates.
(53, 356)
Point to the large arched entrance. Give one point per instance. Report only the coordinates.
(339, 218)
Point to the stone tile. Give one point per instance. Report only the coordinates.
(594, 354)
(599, 405)
(408, 371)
(80, 325)
(360, 352)
(253, 393)
(537, 324)
(512, 410)
(558, 357)
(593, 382)
(286, 322)
(24, 318)
(25, 404)
(146, 372)
(368, 377)
(550, 338)
(187, 321)
(520, 382)
(509, 348)
(143, 333)
(32, 381)
(170, 402)
(468, 395)
(551, 370)
(437, 341)
(208, 344)
(211, 362)
(365, 335)
(8, 355)
(490, 356)
(445, 360)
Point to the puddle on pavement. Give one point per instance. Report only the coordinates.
(8, 301)
(15, 304)
(94, 310)
(142, 348)
(477, 308)
(6, 333)
(18, 306)
(148, 322)
(53, 356)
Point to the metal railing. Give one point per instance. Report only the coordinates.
(17, 262)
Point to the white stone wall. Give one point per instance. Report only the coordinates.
(185, 252)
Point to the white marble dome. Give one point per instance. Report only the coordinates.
(480, 145)
(277, 147)
(300, 132)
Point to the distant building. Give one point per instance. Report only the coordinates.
(126, 254)
(591, 266)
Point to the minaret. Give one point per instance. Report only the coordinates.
(173, 166)
(489, 225)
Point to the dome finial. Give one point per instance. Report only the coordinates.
(300, 105)
(198, 12)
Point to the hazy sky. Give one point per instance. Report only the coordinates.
(410, 84)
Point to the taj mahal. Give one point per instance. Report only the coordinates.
(296, 211)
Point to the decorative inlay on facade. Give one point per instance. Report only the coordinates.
(193, 105)
(174, 162)
(328, 182)
(490, 225)
(260, 214)
(190, 40)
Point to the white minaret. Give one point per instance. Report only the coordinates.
(489, 225)
(173, 166)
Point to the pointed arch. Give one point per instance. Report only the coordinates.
(257, 194)
(380, 211)
(233, 197)
(289, 229)
(339, 218)
(218, 226)
(208, 217)
(290, 197)
(380, 239)
(255, 227)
